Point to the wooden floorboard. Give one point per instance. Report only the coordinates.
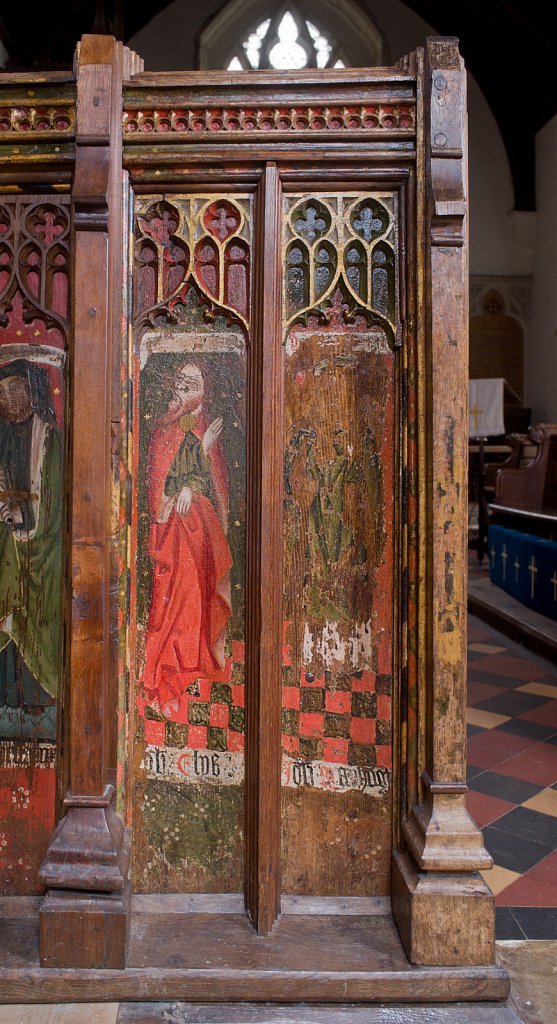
(68, 1013)
(248, 1013)
(220, 958)
(313, 943)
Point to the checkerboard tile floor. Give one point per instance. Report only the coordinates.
(512, 778)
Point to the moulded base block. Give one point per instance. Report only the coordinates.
(443, 919)
(84, 930)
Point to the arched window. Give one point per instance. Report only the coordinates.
(253, 34)
(286, 41)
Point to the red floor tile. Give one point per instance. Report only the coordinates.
(477, 635)
(546, 753)
(510, 666)
(489, 748)
(485, 809)
(482, 691)
(546, 871)
(545, 714)
(528, 767)
(527, 892)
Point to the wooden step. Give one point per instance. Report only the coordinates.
(179, 953)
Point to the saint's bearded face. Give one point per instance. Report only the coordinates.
(15, 399)
(188, 390)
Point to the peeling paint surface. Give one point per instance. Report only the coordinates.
(338, 544)
(187, 541)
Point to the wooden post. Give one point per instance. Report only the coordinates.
(264, 570)
(443, 908)
(84, 916)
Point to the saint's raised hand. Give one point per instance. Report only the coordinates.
(212, 434)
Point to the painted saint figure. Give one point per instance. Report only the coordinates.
(187, 487)
(30, 537)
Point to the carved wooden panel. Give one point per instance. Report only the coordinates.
(341, 323)
(191, 298)
(34, 237)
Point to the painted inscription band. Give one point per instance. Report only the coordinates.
(226, 768)
(31, 754)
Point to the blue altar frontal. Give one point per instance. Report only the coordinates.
(526, 567)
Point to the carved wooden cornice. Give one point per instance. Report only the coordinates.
(283, 120)
(27, 119)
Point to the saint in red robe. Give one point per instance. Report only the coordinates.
(190, 603)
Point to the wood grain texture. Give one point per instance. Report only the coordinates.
(437, 914)
(440, 834)
(311, 958)
(336, 843)
(90, 849)
(264, 569)
(250, 1013)
(453, 840)
(70, 1013)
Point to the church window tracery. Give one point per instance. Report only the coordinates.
(287, 41)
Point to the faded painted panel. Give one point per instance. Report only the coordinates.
(33, 340)
(191, 286)
(341, 322)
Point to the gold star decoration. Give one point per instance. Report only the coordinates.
(237, 522)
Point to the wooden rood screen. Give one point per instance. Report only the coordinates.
(233, 363)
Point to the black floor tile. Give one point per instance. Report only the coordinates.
(529, 824)
(503, 786)
(532, 730)
(537, 922)
(506, 925)
(471, 730)
(472, 772)
(514, 852)
(549, 680)
(552, 739)
(512, 702)
(494, 680)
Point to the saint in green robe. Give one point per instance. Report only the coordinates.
(30, 548)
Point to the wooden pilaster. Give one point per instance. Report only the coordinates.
(442, 906)
(84, 916)
(264, 571)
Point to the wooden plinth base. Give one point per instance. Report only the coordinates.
(210, 957)
(84, 929)
(443, 918)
